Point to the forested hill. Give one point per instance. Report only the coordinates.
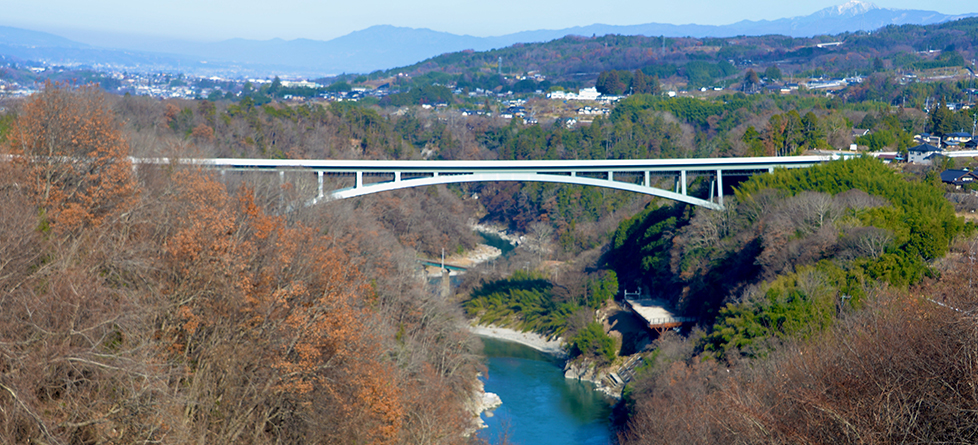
(580, 59)
(852, 222)
(829, 308)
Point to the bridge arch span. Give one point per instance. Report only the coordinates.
(379, 187)
(598, 173)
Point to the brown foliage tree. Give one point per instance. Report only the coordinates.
(185, 313)
(272, 317)
(71, 146)
(77, 362)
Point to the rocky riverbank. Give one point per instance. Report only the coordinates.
(605, 379)
(482, 402)
(481, 254)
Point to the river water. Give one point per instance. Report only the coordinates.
(498, 242)
(539, 405)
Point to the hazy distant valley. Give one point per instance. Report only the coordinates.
(385, 47)
(150, 301)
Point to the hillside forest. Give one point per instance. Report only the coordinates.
(163, 303)
(691, 63)
(834, 307)
(159, 304)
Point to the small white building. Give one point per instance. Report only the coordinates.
(584, 94)
(588, 94)
(300, 84)
(558, 95)
(922, 154)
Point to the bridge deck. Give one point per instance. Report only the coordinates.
(655, 314)
(439, 264)
(541, 166)
(634, 175)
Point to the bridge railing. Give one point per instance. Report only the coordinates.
(671, 321)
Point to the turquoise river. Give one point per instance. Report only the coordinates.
(540, 406)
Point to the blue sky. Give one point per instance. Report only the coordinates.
(102, 21)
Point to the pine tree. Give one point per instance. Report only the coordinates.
(940, 119)
(640, 83)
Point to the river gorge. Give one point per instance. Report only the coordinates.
(540, 406)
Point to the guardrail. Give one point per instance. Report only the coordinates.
(671, 321)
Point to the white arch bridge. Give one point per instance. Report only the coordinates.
(630, 175)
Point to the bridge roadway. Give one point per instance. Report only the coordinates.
(630, 175)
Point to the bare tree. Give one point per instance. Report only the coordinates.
(867, 241)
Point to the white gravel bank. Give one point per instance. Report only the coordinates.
(531, 339)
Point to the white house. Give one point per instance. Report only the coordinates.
(558, 95)
(585, 94)
(921, 153)
(588, 94)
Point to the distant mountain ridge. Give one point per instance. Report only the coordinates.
(852, 16)
(49, 48)
(386, 46)
(24, 37)
(852, 8)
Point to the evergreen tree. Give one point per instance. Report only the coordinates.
(812, 132)
(940, 119)
(609, 82)
(276, 87)
(751, 81)
(640, 83)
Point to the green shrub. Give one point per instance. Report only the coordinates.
(593, 341)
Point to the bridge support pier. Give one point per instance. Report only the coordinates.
(281, 188)
(446, 283)
(319, 179)
(680, 183)
(720, 188)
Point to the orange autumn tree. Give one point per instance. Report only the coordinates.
(271, 322)
(175, 310)
(76, 357)
(75, 156)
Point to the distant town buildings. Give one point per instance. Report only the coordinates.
(583, 94)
